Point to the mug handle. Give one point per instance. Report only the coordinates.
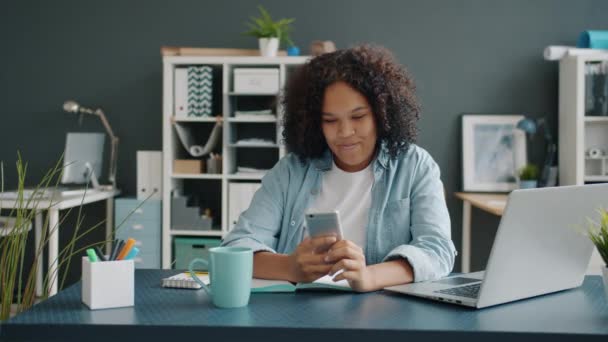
(197, 279)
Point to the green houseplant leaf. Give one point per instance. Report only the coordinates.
(598, 233)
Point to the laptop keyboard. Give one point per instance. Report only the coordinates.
(469, 291)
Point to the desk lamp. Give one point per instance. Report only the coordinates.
(531, 126)
(73, 107)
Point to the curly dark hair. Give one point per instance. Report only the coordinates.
(373, 71)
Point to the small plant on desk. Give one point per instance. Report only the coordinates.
(528, 176)
(598, 233)
(18, 279)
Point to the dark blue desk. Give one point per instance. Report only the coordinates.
(174, 314)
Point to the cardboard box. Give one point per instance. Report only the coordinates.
(195, 166)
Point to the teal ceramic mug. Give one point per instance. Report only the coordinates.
(230, 273)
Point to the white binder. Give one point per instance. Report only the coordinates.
(149, 174)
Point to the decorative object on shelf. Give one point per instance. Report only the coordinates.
(598, 233)
(492, 150)
(187, 139)
(549, 173)
(200, 91)
(73, 107)
(319, 47)
(593, 39)
(214, 163)
(528, 176)
(184, 217)
(595, 153)
(270, 33)
(293, 51)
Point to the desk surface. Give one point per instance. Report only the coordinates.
(59, 202)
(492, 203)
(165, 313)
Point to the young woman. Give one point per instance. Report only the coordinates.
(350, 126)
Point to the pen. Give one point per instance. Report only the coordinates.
(100, 255)
(117, 247)
(132, 254)
(126, 249)
(92, 255)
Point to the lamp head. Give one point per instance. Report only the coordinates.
(71, 106)
(527, 125)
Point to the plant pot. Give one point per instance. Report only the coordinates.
(605, 277)
(268, 46)
(527, 184)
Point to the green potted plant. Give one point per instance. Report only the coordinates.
(598, 233)
(528, 176)
(18, 278)
(270, 33)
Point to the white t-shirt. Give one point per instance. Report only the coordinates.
(351, 194)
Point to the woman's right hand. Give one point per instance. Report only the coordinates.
(306, 263)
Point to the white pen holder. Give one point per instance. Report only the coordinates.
(108, 284)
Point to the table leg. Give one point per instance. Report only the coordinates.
(466, 237)
(109, 224)
(53, 250)
(39, 262)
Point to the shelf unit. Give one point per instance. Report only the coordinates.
(234, 128)
(579, 132)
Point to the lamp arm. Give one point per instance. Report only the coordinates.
(113, 146)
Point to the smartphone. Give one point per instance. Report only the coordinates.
(326, 223)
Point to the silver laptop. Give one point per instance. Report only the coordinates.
(540, 247)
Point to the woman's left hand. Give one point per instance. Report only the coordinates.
(349, 257)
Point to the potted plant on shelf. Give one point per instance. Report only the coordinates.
(270, 33)
(528, 176)
(598, 233)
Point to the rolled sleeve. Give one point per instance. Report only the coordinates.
(431, 252)
(248, 242)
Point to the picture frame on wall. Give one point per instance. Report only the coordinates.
(493, 150)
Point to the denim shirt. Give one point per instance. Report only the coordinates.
(408, 217)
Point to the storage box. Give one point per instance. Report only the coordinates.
(256, 80)
(184, 217)
(187, 248)
(108, 284)
(188, 166)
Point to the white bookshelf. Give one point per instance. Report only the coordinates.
(578, 132)
(232, 152)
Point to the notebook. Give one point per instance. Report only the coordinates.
(185, 281)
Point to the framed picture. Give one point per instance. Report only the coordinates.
(493, 150)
